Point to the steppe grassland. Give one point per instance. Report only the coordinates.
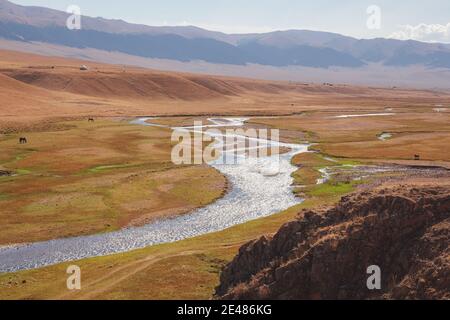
(95, 177)
(190, 268)
(414, 131)
(187, 269)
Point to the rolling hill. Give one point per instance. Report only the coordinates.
(51, 87)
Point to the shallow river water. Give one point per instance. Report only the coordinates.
(256, 191)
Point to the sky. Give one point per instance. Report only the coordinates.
(403, 19)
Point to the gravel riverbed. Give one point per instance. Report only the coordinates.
(256, 191)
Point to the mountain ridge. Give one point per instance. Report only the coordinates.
(279, 48)
(297, 55)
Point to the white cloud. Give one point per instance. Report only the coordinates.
(424, 32)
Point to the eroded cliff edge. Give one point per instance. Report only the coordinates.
(324, 254)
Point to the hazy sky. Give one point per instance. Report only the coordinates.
(423, 20)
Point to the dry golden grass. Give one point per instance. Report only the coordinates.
(35, 88)
(414, 131)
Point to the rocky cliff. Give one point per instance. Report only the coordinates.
(325, 254)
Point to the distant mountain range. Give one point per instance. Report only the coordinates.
(301, 48)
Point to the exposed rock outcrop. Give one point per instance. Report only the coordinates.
(325, 254)
(5, 173)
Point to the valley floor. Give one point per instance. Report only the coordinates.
(188, 269)
(75, 177)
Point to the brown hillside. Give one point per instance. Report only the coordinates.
(15, 95)
(123, 85)
(115, 81)
(35, 87)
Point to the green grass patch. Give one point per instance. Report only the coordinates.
(104, 168)
(332, 188)
(23, 171)
(348, 162)
(4, 196)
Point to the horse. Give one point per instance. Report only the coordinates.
(23, 140)
(417, 157)
(91, 120)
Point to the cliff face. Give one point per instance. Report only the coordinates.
(325, 255)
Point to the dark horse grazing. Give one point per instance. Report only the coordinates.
(23, 140)
(91, 120)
